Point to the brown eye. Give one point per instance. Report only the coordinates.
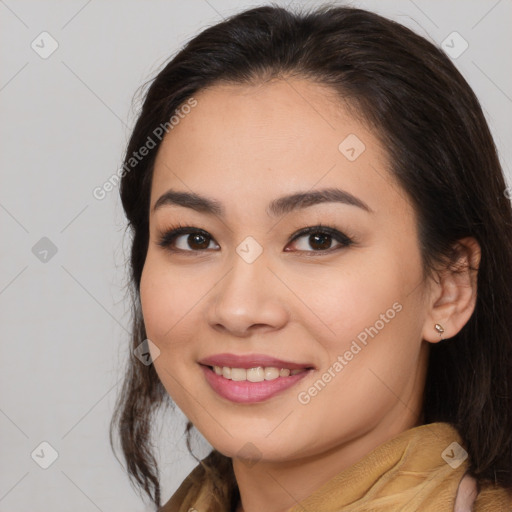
(320, 239)
(197, 241)
(186, 239)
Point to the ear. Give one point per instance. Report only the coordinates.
(453, 292)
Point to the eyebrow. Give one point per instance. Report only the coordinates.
(276, 208)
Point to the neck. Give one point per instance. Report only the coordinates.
(276, 486)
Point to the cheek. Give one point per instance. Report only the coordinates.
(349, 302)
(372, 344)
(163, 300)
(164, 309)
(371, 304)
(171, 302)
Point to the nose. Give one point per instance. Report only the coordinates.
(248, 299)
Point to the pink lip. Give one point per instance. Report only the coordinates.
(249, 392)
(250, 361)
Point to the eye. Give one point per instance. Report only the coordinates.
(194, 238)
(320, 239)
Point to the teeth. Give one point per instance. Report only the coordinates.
(257, 374)
(272, 373)
(237, 373)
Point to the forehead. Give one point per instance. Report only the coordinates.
(277, 110)
(271, 138)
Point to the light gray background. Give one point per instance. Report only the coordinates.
(64, 123)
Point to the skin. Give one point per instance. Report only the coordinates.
(245, 146)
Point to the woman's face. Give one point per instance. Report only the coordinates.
(346, 301)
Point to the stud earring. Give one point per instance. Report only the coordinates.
(439, 329)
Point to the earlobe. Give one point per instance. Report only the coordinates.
(453, 297)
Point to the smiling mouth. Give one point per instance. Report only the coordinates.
(257, 373)
(252, 385)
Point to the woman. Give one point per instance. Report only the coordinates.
(321, 255)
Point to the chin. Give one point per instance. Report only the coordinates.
(252, 449)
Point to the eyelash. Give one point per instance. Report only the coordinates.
(168, 237)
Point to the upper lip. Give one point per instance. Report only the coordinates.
(250, 361)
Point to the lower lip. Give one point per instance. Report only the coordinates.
(249, 392)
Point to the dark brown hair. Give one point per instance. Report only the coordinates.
(443, 156)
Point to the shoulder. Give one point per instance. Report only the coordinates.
(209, 487)
(184, 496)
(493, 498)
